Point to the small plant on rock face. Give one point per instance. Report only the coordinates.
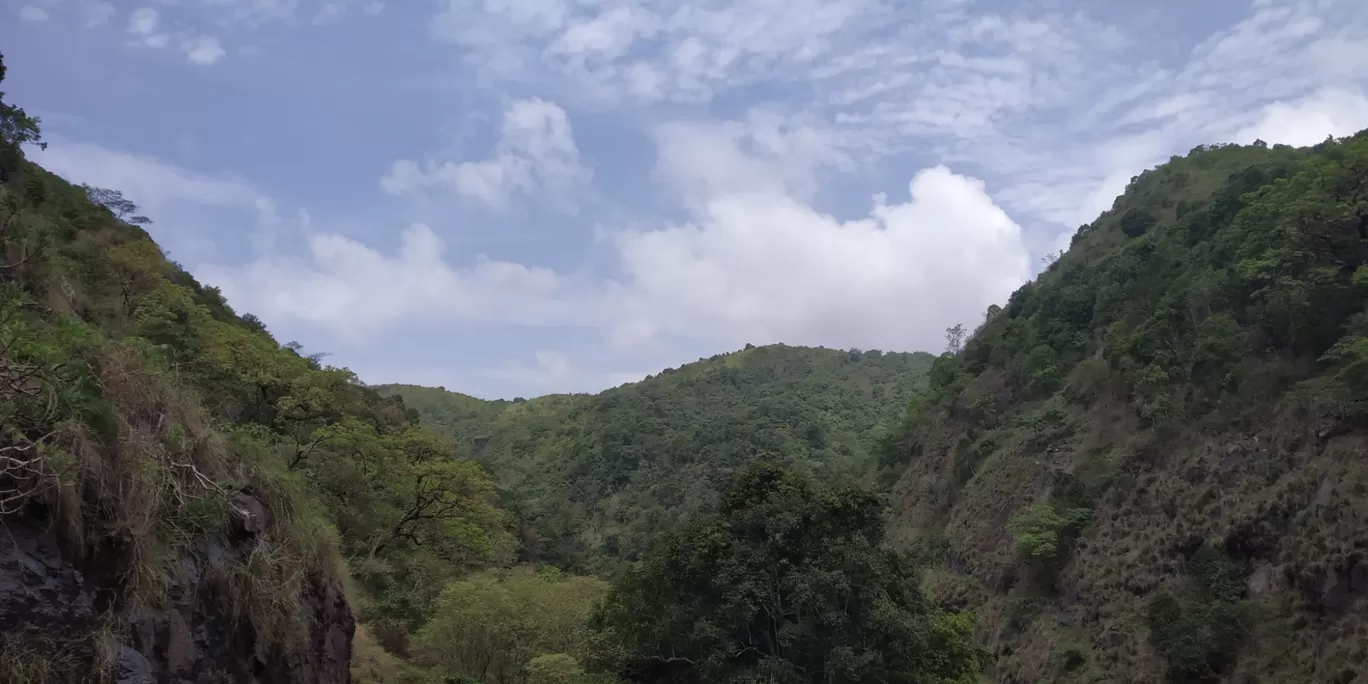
(1039, 531)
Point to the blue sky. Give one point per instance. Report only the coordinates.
(515, 197)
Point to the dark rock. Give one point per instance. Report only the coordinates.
(49, 597)
(131, 667)
(40, 593)
(250, 516)
(180, 647)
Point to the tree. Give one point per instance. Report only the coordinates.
(113, 200)
(954, 338)
(510, 628)
(17, 129)
(786, 581)
(1136, 222)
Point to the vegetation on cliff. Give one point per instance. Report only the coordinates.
(1146, 464)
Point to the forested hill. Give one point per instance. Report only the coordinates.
(594, 477)
(1149, 465)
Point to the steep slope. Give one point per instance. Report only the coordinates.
(182, 498)
(595, 477)
(1149, 465)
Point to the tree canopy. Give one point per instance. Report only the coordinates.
(785, 581)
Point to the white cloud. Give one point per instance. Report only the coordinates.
(96, 12)
(143, 21)
(554, 372)
(536, 152)
(763, 153)
(144, 26)
(1335, 111)
(145, 179)
(203, 50)
(1048, 105)
(175, 198)
(329, 13)
(32, 13)
(373, 8)
(764, 267)
(348, 288)
(755, 263)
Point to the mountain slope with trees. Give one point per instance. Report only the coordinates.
(594, 477)
(1149, 464)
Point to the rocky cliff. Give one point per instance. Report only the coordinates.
(63, 621)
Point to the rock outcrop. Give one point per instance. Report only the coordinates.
(61, 618)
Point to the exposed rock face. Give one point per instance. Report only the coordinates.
(52, 605)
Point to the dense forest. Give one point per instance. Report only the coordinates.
(1146, 465)
(593, 478)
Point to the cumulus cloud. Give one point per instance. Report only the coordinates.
(1336, 112)
(756, 263)
(765, 267)
(536, 152)
(354, 290)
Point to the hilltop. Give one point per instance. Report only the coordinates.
(594, 477)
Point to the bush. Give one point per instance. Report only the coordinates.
(1199, 626)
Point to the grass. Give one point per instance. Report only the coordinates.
(164, 481)
(88, 659)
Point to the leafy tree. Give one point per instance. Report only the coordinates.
(113, 200)
(786, 581)
(954, 338)
(493, 626)
(1199, 627)
(1137, 222)
(17, 129)
(1041, 530)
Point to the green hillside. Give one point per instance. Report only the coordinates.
(1149, 464)
(594, 478)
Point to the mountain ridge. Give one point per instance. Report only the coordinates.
(823, 408)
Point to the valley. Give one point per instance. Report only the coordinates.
(1147, 465)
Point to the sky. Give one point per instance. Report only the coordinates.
(518, 197)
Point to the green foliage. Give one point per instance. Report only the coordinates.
(592, 479)
(1199, 627)
(1137, 222)
(1039, 531)
(785, 580)
(17, 129)
(510, 628)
